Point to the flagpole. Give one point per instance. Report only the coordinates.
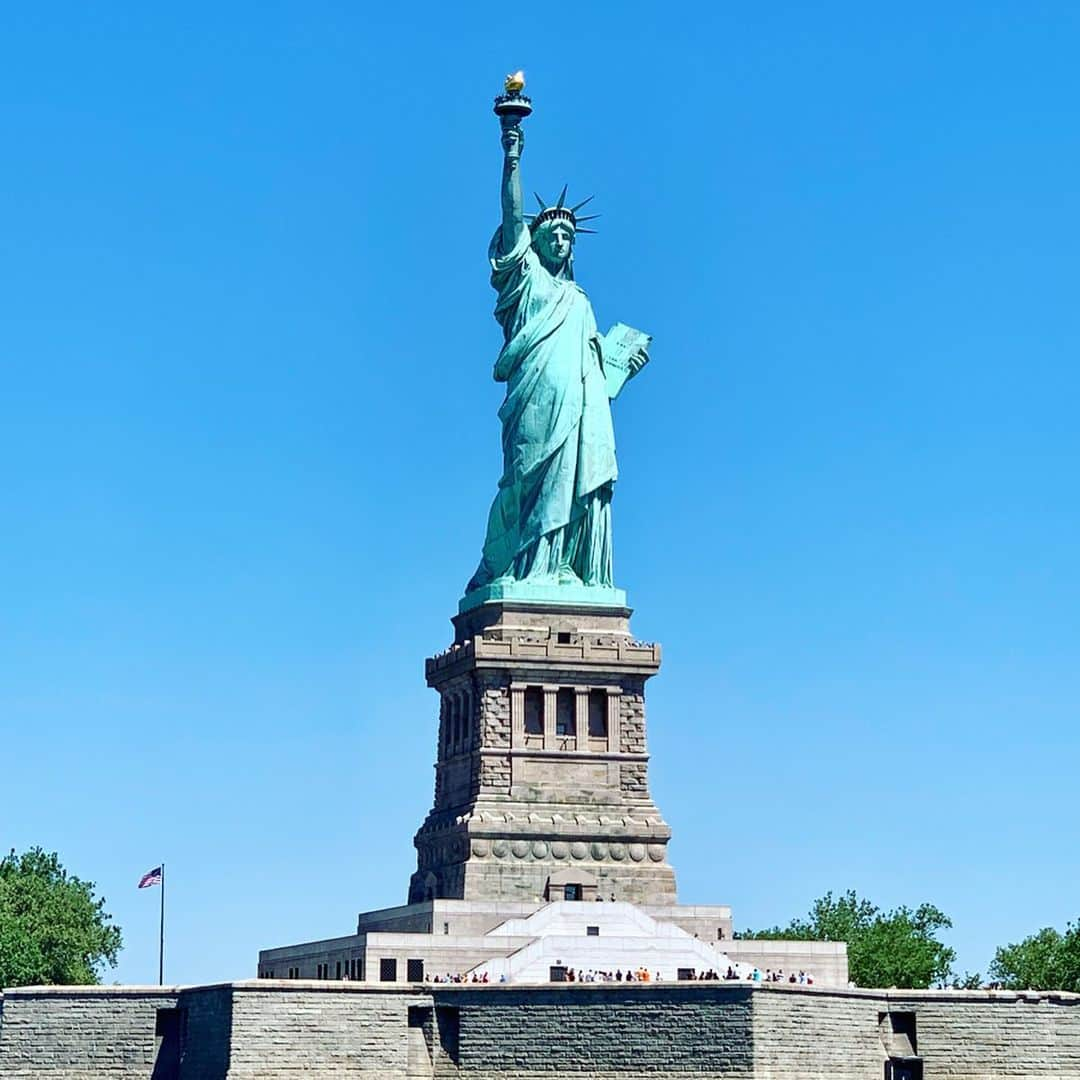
(161, 938)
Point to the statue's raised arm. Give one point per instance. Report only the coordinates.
(513, 213)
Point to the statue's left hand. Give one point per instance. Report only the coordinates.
(638, 361)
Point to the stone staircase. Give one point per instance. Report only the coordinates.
(597, 937)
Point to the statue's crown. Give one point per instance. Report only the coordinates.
(559, 211)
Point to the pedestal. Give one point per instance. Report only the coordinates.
(541, 788)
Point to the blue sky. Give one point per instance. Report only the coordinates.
(248, 441)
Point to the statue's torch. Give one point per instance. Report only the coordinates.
(512, 106)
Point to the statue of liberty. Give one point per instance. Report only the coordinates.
(549, 529)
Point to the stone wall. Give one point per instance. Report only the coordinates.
(965, 1037)
(308, 1030)
(603, 1032)
(81, 1032)
(281, 1029)
(812, 1034)
(961, 1035)
(632, 721)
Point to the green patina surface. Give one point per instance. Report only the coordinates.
(540, 592)
(549, 536)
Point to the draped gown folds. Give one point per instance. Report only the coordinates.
(551, 518)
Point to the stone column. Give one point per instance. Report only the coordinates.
(613, 728)
(517, 714)
(551, 704)
(581, 716)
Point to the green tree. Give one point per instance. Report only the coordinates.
(1048, 960)
(53, 929)
(894, 948)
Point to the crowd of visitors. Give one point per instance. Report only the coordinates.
(734, 973)
(754, 975)
(641, 974)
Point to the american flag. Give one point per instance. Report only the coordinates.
(151, 877)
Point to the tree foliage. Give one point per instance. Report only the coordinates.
(1048, 960)
(53, 929)
(895, 948)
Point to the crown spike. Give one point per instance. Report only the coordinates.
(592, 232)
(562, 197)
(586, 217)
(575, 209)
(543, 205)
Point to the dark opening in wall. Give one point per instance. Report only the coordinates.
(414, 970)
(534, 710)
(565, 721)
(557, 973)
(685, 973)
(420, 1061)
(592, 931)
(387, 969)
(598, 714)
(897, 1030)
(170, 1029)
(448, 1025)
(455, 721)
(169, 1023)
(904, 1069)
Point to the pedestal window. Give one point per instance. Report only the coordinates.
(534, 712)
(598, 714)
(565, 719)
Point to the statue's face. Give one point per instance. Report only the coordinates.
(555, 243)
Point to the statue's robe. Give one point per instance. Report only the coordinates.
(551, 518)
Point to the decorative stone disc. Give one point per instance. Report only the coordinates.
(520, 848)
(618, 852)
(481, 848)
(637, 852)
(656, 852)
(539, 849)
(578, 850)
(500, 849)
(599, 850)
(559, 849)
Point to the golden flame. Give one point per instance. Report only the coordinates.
(515, 82)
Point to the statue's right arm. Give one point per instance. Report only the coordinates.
(513, 214)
